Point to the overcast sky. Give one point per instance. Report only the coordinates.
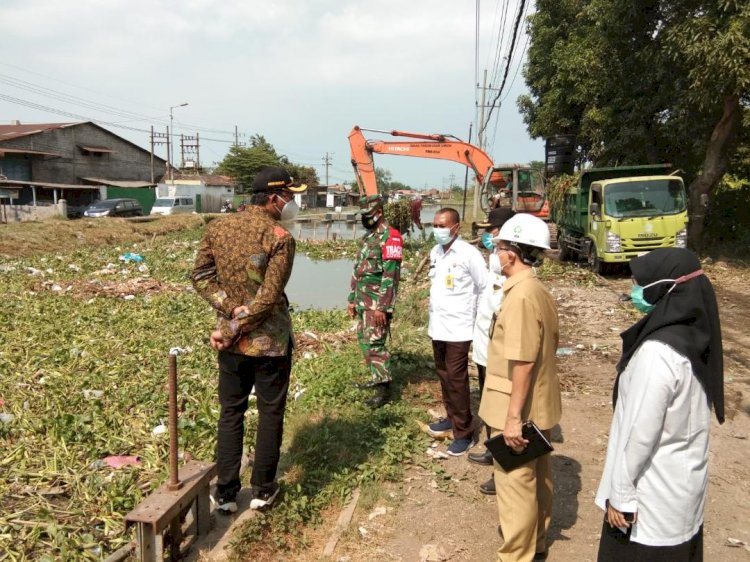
(299, 72)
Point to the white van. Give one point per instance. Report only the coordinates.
(173, 205)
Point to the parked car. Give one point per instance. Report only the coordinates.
(173, 205)
(114, 208)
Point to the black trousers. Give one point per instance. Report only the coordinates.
(237, 376)
(616, 546)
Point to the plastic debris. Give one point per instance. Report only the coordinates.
(34, 271)
(7, 268)
(377, 512)
(180, 350)
(6, 418)
(308, 355)
(437, 455)
(298, 393)
(129, 297)
(363, 532)
(118, 461)
(74, 267)
(143, 268)
(159, 429)
(56, 288)
(564, 351)
(130, 256)
(89, 394)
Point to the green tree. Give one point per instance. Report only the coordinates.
(645, 82)
(242, 163)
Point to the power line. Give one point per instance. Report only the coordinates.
(507, 66)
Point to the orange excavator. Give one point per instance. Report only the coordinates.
(507, 185)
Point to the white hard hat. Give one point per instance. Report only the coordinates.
(524, 228)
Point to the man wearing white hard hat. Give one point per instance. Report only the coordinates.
(521, 384)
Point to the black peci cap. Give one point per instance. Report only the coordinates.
(272, 178)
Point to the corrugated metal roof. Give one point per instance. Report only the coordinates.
(4, 151)
(8, 132)
(119, 183)
(208, 179)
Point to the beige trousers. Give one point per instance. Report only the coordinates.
(524, 500)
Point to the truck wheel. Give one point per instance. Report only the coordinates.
(596, 265)
(553, 235)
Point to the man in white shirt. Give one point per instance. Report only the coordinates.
(458, 275)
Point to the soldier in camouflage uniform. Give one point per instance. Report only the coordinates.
(372, 298)
(242, 267)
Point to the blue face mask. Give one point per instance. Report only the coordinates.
(639, 302)
(487, 241)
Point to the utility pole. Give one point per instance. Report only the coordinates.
(327, 159)
(171, 129)
(190, 151)
(163, 139)
(481, 137)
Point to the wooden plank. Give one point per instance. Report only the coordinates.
(343, 522)
(164, 504)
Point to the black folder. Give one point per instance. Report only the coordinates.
(508, 458)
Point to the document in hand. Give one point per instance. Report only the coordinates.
(508, 458)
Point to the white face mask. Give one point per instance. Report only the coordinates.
(495, 266)
(442, 235)
(289, 210)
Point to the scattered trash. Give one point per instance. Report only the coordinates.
(437, 455)
(432, 553)
(130, 256)
(737, 543)
(580, 346)
(74, 267)
(377, 512)
(56, 288)
(118, 461)
(159, 429)
(52, 491)
(2, 402)
(128, 297)
(311, 335)
(308, 355)
(299, 392)
(89, 394)
(143, 268)
(7, 268)
(6, 418)
(180, 350)
(363, 532)
(34, 271)
(564, 351)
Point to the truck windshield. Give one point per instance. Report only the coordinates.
(645, 198)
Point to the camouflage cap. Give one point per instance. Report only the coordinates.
(369, 203)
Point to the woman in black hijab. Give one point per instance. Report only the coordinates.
(669, 377)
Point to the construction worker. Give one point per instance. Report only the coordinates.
(242, 267)
(372, 298)
(522, 385)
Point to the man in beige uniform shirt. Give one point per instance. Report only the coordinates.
(522, 385)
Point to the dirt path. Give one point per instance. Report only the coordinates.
(448, 512)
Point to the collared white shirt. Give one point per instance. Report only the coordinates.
(457, 277)
(487, 305)
(657, 456)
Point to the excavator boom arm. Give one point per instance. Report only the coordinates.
(437, 147)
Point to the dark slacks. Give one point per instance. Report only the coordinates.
(452, 365)
(237, 376)
(616, 546)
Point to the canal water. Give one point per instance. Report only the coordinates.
(322, 285)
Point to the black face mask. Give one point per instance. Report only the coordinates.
(369, 221)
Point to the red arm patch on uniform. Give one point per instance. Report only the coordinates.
(393, 249)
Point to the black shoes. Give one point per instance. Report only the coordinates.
(381, 397)
(488, 488)
(481, 458)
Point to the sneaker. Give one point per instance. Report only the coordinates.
(481, 458)
(488, 488)
(459, 447)
(226, 502)
(264, 499)
(441, 428)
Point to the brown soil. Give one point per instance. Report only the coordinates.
(447, 510)
(22, 239)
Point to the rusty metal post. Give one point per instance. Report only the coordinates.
(174, 479)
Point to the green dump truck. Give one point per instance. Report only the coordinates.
(615, 214)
